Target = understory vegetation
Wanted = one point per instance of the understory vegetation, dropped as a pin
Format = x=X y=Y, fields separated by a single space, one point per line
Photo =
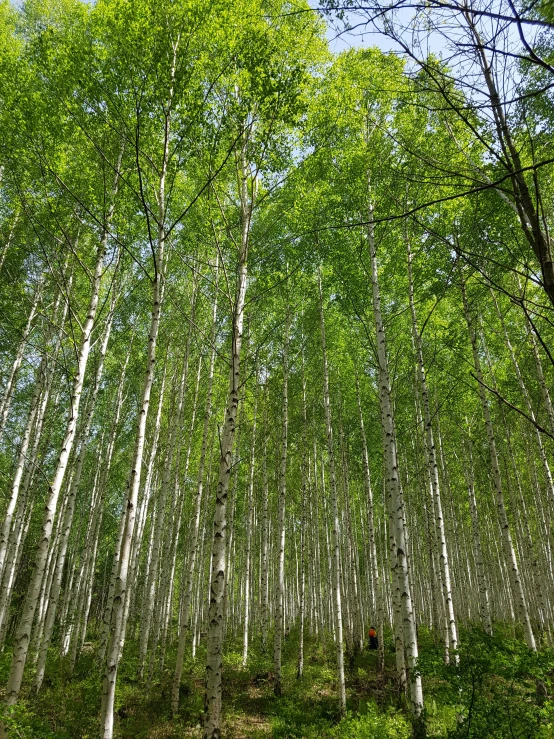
x=498 y=686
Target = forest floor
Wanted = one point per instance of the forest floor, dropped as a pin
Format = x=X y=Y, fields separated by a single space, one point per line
x=504 y=704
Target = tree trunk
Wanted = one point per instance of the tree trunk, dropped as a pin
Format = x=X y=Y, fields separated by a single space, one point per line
x=159 y=521
x=337 y=601
x=305 y=471
x=264 y=595
x=281 y=505
x=212 y=720
x=249 y=517
x=23 y=635
x=117 y=624
x=451 y=627
x=10 y=384
x=510 y=555
x=70 y=505
x=374 y=565
x=191 y=563
x=400 y=560
x=484 y=603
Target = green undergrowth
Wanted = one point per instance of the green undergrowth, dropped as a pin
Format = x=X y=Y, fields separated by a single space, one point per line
x=496 y=688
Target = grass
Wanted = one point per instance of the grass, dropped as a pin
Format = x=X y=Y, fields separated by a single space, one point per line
x=67 y=707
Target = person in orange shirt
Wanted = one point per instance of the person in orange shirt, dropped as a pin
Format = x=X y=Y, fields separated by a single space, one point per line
x=373 y=643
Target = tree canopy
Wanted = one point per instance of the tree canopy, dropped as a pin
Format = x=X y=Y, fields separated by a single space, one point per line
x=276 y=358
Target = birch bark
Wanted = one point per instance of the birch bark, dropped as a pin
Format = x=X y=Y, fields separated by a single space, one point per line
x=117 y=626
x=150 y=590
x=264 y=595
x=305 y=471
x=484 y=603
x=393 y=484
x=191 y=564
x=20 y=523
x=129 y=512
x=452 y=628
x=23 y=635
x=337 y=602
x=10 y=384
x=70 y=506
x=212 y=721
x=11 y=528
x=529 y=404
x=510 y=555
x=374 y=565
x=281 y=507
x=249 y=517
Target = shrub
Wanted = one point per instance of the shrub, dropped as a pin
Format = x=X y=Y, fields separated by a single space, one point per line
x=372 y=724
x=499 y=688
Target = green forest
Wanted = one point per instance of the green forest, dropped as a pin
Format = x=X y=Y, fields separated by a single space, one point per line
x=276 y=369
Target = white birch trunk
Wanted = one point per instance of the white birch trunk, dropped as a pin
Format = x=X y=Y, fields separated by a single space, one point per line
x=150 y=590
x=212 y=720
x=451 y=626
x=117 y=626
x=305 y=471
x=12 y=503
x=39 y=401
x=18 y=531
x=264 y=595
x=167 y=578
x=400 y=560
x=90 y=552
x=540 y=375
x=249 y=516
x=374 y=564
x=23 y=635
x=191 y=564
x=280 y=589
x=335 y=559
x=528 y=403
x=8 y=243
x=70 y=506
x=129 y=512
x=510 y=555
x=5 y=403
